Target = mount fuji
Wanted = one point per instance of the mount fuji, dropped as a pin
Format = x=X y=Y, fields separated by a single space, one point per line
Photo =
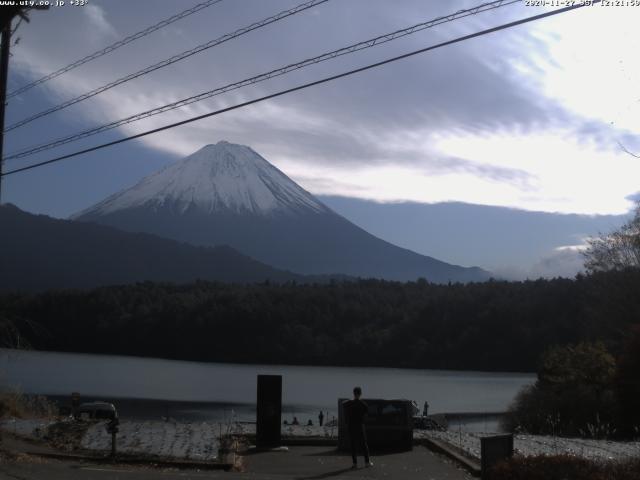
x=227 y=194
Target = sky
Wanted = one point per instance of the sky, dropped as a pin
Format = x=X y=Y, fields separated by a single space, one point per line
x=506 y=151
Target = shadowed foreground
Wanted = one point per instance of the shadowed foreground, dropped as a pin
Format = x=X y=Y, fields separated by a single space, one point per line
x=300 y=463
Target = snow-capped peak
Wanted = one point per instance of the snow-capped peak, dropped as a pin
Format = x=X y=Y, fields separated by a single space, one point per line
x=217 y=178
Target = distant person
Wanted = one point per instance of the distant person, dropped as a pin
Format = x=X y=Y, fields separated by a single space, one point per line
x=320 y=418
x=425 y=409
x=355 y=411
x=295 y=421
x=309 y=423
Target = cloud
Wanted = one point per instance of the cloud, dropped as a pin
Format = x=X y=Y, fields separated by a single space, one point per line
x=564 y=262
x=509 y=119
x=99 y=23
x=572 y=248
x=561 y=263
x=634 y=197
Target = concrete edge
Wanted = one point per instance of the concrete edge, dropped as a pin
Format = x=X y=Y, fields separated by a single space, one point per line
x=310 y=442
x=286 y=441
x=442 y=447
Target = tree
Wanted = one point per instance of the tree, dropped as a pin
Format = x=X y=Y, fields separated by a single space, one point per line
x=573 y=394
x=583 y=364
x=627 y=383
x=10 y=334
x=617 y=250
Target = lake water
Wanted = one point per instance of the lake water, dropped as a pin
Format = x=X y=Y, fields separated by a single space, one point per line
x=150 y=388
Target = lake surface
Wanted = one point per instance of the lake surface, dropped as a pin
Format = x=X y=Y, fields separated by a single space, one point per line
x=150 y=388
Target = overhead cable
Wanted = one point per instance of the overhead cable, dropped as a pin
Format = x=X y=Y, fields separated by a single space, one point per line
x=115 y=46
x=303 y=86
x=169 y=61
x=379 y=40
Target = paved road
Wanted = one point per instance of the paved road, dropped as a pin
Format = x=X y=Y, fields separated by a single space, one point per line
x=299 y=463
x=310 y=463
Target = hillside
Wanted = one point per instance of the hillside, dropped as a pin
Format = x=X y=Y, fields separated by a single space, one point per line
x=38 y=252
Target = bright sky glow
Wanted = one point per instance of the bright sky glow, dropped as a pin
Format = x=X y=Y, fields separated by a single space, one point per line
x=593 y=67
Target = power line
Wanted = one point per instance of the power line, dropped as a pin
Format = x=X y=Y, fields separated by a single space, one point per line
x=115 y=46
x=304 y=86
x=169 y=61
x=263 y=77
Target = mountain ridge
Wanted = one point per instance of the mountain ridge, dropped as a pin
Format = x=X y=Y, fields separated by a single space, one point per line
x=38 y=252
x=229 y=194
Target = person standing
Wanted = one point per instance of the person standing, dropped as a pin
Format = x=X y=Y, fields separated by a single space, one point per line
x=355 y=411
x=320 y=418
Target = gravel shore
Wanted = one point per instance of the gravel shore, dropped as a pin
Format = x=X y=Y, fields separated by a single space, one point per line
x=531 y=445
x=199 y=441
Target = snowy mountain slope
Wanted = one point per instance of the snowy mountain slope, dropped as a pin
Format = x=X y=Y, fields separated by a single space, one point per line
x=217 y=178
x=227 y=194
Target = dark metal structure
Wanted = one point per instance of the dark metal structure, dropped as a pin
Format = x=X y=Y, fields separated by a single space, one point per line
x=269 y=411
x=388 y=425
x=492 y=450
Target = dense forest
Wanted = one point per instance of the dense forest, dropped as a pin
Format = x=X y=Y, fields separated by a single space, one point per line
x=498 y=326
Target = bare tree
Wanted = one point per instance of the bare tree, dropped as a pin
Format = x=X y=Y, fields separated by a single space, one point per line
x=10 y=335
x=617 y=250
x=14 y=332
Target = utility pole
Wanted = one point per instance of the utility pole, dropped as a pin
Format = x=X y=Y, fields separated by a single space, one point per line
x=4 y=70
x=7 y=15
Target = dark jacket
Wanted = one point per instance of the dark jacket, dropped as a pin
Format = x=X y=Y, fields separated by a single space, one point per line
x=355 y=411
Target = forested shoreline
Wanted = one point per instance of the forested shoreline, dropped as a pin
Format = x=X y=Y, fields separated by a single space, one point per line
x=492 y=326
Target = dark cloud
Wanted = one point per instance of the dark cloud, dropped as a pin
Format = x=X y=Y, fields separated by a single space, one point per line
x=525 y=241
x=467 y=87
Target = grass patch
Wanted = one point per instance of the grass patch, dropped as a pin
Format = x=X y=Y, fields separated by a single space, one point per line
x=16 y=404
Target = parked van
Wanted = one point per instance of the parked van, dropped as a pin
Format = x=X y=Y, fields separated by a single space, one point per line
x=97 y=411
